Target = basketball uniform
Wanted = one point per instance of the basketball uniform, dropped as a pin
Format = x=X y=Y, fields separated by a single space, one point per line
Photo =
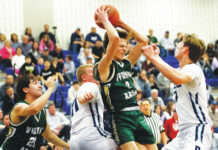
x=26 y=135
x=191 y=106
x=87 y=132
x=119 y=95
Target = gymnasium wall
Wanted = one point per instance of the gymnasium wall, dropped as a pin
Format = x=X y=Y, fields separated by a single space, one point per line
x=189 y=16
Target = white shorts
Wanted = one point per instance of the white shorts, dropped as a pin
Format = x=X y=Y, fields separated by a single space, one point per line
x=194 y=138
x=91 y=139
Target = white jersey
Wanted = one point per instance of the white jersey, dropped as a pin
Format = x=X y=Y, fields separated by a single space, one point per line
x=88 y=114
x=191 y=99
x=87 y=132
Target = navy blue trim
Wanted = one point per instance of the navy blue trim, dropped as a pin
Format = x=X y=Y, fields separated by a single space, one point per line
x=197 y=147
x=93 y=117
x=196 y=101
x=76 y=106
x=196 y=133
x=196 y=98
x=202 y=132
x=178 y=86
x=195 y=110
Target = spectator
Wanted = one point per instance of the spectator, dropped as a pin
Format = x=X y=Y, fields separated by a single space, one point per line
x=28 y=32
x=76 y=41
x=157 y=110
x=46 y=43
x=4 y=132
x=172 y=127
x=149 y=67
x=14 y=40
x=214 y=64
x=7 y=52
x=210 y=52
x=98 y=50
x=35 y=53
x=205 y=65
x=92 y=37
x=47 y=72
x=45 y=55
x=8 y=82
x=213 y=113
x=18 y=60
x=69 y=68
x=154 y=122
x=164 y=85
x=28 y=67
x=167 y=44
x=139 y=96
x=25 y=46
x=152 y=38
x=152 y=82
x=142 y=82
x=169 y=110
x=72 y=92
x=56 y=67
x=155 y=99
x=2 y=40
x=46 y=31
x=9 y=100
x=58 y=123
x=60 y=55
x=178 y=39
x=84 y=55
x=40 y=65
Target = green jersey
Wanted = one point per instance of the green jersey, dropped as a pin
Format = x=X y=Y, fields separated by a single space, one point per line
x=26 y=135
x=118 y=92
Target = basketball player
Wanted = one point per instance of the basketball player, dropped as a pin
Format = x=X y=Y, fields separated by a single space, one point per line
x=114 y=73
x=28 y=118
x=87 y=115
x=190 y=94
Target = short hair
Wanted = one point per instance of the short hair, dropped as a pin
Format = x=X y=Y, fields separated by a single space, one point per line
x=122 y=34
x=154 y=90
x=196 y=46
x=8 y=87
x=51 y=103
x=24 y=81
x=28 y=57
x=82 y=70
x=69 y=57
x=146 y=100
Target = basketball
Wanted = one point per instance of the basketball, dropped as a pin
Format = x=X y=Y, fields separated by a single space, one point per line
x=113 y=16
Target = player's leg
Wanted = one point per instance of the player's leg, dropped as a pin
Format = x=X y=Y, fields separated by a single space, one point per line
x=140 y=146
x=129 y=146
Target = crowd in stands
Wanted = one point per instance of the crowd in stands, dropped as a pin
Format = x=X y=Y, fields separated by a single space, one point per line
x=45 y=58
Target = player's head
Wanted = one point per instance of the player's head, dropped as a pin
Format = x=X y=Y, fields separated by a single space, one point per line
x=85 y=74
x=28 y=85
x=191 y=46
x=122 y=48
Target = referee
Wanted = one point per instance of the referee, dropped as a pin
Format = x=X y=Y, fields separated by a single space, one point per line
x=154 y=122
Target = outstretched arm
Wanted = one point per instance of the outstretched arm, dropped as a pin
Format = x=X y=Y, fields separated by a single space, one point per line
x=135 y=53
x=51 y=137
x=36 y=106
x=104 y=65
x=174 y=75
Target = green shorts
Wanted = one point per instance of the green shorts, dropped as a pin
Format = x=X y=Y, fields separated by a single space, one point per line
x=131 y=126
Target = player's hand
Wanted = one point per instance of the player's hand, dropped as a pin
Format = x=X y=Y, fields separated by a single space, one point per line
x=50 y=82
x=102 y=14
x=151 y=52
x=88 y=96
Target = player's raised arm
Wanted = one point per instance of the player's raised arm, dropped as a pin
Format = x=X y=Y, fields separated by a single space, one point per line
x=174 y=75
x=36 y=106
x=104 y=65
x=135 y=53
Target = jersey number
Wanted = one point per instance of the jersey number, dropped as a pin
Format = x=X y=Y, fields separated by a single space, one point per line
x=31 y=142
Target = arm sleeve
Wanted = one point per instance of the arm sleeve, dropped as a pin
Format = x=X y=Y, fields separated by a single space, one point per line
x=191 y=70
